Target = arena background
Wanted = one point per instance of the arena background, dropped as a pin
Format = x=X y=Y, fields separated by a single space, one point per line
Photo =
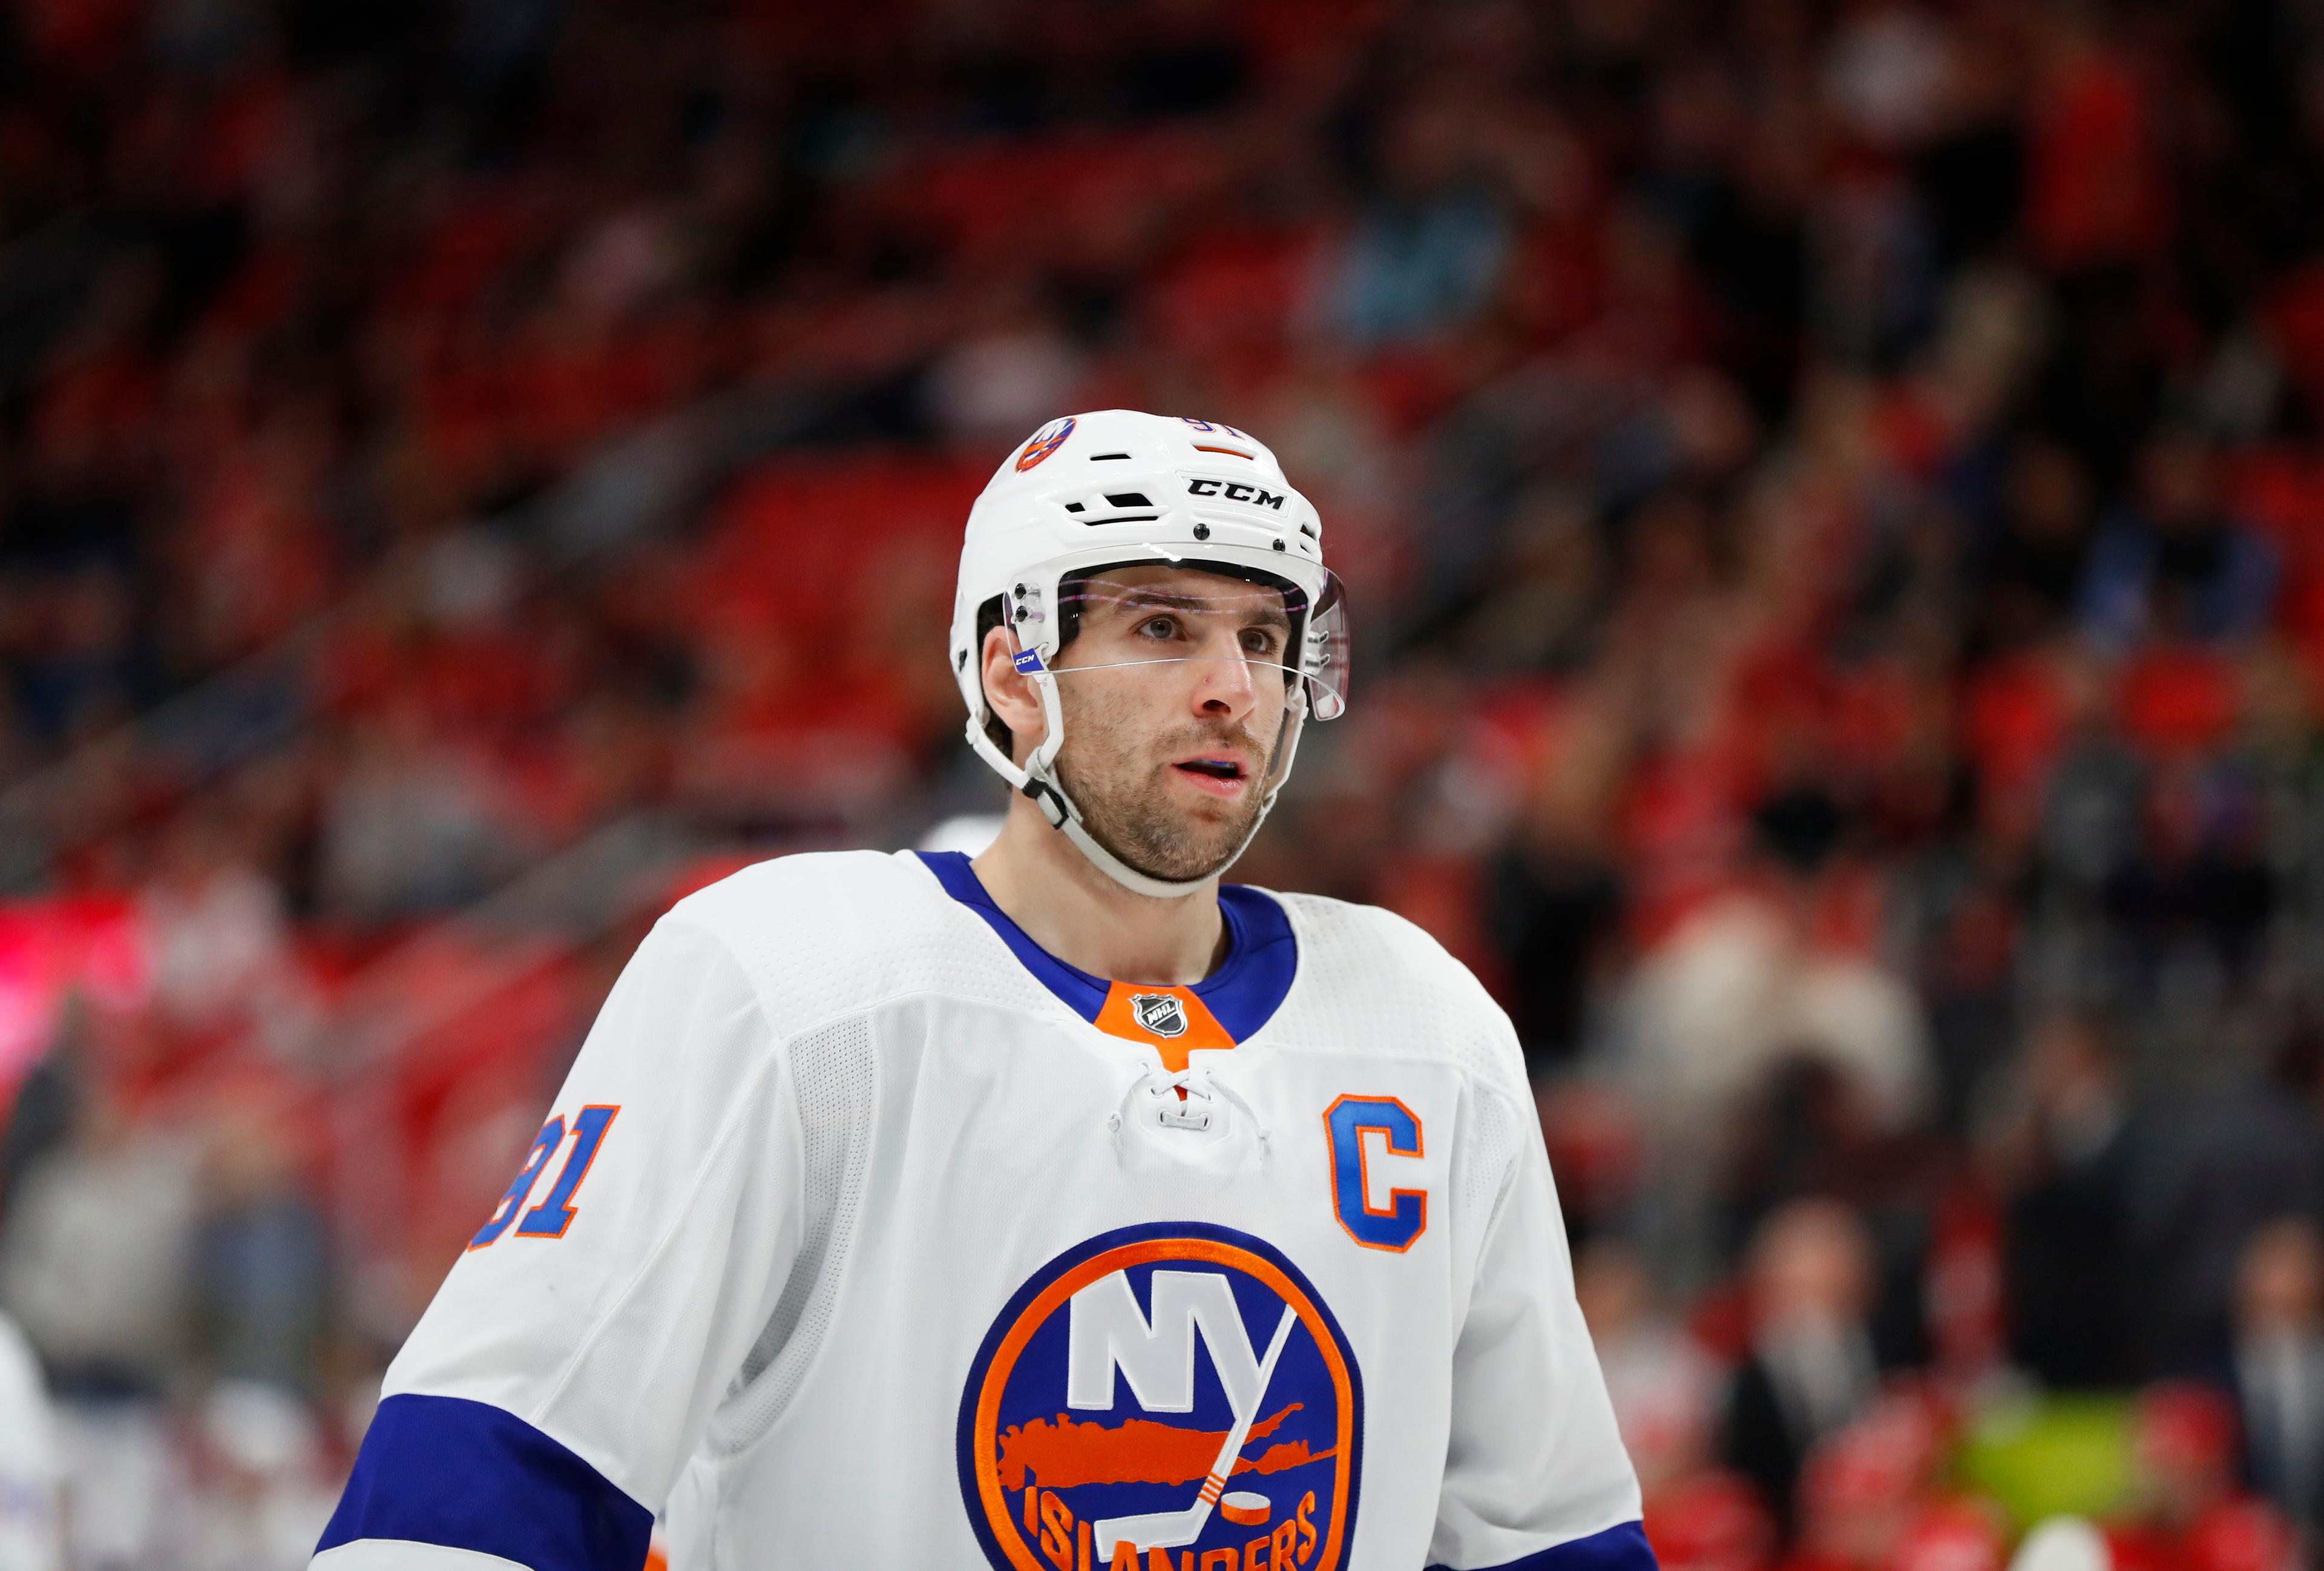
x=1831 y=496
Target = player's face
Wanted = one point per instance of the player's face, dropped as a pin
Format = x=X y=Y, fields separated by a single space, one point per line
x=1175 y=689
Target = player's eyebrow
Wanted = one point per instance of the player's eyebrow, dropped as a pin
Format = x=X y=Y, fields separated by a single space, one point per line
x=1159 y=600
x=1134 y=599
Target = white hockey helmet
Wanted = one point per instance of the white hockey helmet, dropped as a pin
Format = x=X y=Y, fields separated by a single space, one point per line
x=1117 y=488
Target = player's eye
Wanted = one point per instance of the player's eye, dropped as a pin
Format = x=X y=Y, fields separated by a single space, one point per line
x=1259 y=641
x=1158 y=627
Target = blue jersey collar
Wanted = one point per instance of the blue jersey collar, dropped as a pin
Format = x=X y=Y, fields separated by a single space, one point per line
x=1243 y=994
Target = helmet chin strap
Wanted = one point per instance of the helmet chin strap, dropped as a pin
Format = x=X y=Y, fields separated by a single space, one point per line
x=1037 y=780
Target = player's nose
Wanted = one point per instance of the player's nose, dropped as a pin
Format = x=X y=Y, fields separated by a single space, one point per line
x=1225 y=683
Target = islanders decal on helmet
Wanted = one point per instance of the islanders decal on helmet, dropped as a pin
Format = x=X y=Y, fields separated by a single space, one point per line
x=1046 y=440
x=1093 y=1438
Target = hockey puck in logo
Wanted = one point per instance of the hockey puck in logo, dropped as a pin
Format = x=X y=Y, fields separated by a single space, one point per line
x=1244 y=1509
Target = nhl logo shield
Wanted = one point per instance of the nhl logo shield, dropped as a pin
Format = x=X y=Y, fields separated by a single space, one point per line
x=1163 y=1013
x=1173 y=1397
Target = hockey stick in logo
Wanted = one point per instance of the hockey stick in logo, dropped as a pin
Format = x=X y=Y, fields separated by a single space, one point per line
x=1172 y=1529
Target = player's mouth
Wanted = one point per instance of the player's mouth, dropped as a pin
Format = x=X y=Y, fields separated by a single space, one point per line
x=1220 y=774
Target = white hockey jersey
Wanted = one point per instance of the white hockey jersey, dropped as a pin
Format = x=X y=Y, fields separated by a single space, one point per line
x=867 y=1233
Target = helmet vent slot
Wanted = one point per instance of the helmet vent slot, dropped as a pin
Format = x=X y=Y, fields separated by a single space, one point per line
x=1128 y=499
x=1230 y=452
x=1074 y=507
x=1124 y=518
x=1105 y=457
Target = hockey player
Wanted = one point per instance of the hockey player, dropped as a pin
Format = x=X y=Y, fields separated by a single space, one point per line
x=1063 y=1210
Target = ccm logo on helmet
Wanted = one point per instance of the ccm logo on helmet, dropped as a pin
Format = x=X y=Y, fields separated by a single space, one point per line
x=1236 y=491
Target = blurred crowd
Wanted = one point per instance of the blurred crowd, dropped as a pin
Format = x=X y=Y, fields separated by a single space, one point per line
x=1833 y=506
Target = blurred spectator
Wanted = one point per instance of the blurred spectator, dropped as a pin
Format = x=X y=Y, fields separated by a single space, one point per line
x=1732 y=1002
x=261 y=1263
x=2067 y=1158
x=93 y=1263
x=1869 y=1500
x=1556 y=902
x=2187 y=1510
x=2196 y=893
x=1739 y=990
x=1426 y=251
x=1592 y=1128
x=1663 y=1386
x=2031 y=570
x=2208 y=1175
x=2176 y=565
x=219 y=933
x=414 y=823
x=2279 y=1367
x=1810 y=1367
x=1003 y=377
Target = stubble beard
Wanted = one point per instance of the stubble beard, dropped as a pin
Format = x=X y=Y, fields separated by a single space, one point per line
x=1115 y=776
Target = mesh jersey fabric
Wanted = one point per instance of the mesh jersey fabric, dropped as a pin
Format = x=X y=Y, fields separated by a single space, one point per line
x=837 y=1081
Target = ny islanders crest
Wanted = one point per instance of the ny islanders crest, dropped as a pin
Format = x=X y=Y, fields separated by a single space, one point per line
x=1174 y=1397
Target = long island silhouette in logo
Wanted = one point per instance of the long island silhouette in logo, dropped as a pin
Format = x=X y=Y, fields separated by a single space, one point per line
x=1064 y=1452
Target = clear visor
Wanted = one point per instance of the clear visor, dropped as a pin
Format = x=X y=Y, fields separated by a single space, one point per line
x=1262 y=640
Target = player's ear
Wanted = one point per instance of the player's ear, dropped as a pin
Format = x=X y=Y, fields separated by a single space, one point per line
x=1010 y=694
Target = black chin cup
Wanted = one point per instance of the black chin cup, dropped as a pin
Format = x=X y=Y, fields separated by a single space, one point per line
x=1051 y=800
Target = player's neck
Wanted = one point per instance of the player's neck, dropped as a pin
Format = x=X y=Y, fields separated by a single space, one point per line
x=1070 y=908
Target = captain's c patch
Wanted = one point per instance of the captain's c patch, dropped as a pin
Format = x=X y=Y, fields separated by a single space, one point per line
x=1358 y=1127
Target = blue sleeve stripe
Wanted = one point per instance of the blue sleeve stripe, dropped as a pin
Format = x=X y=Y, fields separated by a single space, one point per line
x=1617 y=1548
x=469 y=1475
